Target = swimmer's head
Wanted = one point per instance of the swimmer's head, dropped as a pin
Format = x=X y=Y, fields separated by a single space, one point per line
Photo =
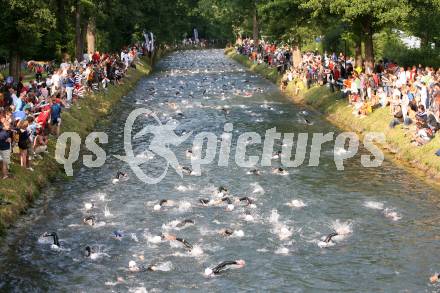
x=240 y=263
x=222 y=189
x=163 y=201
x=88 y=251
x=89 y=220
x=208 y=272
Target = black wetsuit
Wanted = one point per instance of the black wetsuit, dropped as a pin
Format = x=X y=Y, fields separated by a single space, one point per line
x=204 y=201
x=247 y=199
x=120 y=175
x=227 y=199
x=223 y=266
x=55 y=238
x=88 y=251
x=184 y=222
x=184 y=242
x=187 y=169
x=330 y=236
x=255 y=172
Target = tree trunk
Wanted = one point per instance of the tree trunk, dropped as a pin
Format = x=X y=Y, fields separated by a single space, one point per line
x=255 y=26
x=78 y=44
x=358 y=52
x=14 y=64
x=84 y=28
x=61 y=26
x=296 y=56
x=91 y=36
x=368 y=41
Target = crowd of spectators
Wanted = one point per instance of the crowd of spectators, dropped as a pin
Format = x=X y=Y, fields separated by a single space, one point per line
x=30 y=110
x=412 y=94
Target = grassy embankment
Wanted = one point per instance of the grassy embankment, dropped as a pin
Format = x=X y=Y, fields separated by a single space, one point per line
x=81 y=118
x=422 y=159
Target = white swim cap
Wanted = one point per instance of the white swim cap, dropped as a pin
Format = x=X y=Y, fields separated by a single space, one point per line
x=157 y=207
x=208 y=272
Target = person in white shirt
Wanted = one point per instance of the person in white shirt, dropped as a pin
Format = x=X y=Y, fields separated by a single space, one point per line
x=402 y=76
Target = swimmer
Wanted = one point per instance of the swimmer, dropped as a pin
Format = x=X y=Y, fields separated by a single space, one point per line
x=277 y=155
x=121 y=175
x=56 y=241
x=226 y=232
x=189 y=153
x=184 y=223
x=247 y=199
x=227 y=199
x=164 y=203
x=175 y=238
x=434 y=278
x=134 y=268
x=225 y=112
x=89 y=220
x=204 y=201
x=255 y=172
x=329 y=237
x=224 y=266
x=187 y=170
x=280 y=171
x=88 y=251
x=222 y=190
x=118 y=235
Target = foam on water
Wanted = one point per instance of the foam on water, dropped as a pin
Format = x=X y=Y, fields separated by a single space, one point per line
x=296 y=203
x=164 y=267
x=391 y=214
x=257 y=189
x=280 y=229
x=282 y=250
x=344 y=229
x=376 y=205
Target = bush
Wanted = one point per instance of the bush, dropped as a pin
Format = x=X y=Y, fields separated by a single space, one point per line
x=408 y=57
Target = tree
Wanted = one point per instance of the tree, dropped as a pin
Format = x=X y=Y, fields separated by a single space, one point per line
x=24 y=22
x=423 y=21
x=369 y=15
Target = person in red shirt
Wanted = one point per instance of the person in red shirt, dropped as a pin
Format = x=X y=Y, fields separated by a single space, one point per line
x=43 y=117
x=336 y=74
x=96 y=57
